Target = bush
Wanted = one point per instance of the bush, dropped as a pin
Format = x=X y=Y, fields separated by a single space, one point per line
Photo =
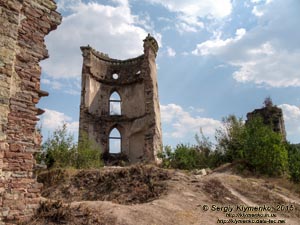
x=230 y=138
x=60 y=151
x=182 y=157
x=263 y=149
x=187 y=157
x=254 y=144
x=87 y=155
x=294 y=162
x=166 y=156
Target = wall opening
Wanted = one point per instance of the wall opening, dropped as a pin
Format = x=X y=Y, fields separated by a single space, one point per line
x=115 y=104
x=115 y=76
x=115 y=141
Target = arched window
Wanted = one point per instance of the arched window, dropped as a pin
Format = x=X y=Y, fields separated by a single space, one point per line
x=115 y=104
x=115 y=141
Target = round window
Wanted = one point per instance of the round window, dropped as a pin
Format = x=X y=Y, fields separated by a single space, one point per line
x=115 y=76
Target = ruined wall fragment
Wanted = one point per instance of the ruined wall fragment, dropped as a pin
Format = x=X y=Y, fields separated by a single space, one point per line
x=23 y=26
x=136 y=84
x=272 y=116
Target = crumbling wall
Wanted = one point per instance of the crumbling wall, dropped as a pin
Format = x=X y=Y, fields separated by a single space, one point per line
x=272 y=116
x=23 y=26
x=136 y=83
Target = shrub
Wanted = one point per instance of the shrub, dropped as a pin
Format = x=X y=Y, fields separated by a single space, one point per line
x=186 y=157
x=263 y=149
x=87 y=154
x=294 y=162
x=166 y=155
x=60 y=151
x=230 y=138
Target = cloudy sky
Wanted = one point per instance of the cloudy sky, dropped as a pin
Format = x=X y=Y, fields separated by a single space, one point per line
x=216 y=58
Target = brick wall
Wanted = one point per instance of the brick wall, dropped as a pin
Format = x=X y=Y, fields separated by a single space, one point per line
x=23 y=26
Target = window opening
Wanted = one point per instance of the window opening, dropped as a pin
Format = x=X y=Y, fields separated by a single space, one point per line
x=115 y=141
x=115 y=76
x=115 y=104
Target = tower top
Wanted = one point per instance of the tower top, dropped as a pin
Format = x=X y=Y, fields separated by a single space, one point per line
x=150 y=42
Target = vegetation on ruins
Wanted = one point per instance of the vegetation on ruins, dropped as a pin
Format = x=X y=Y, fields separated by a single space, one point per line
x=294 y=162
x=60 y=151
x=253 y=146
x=189 y=157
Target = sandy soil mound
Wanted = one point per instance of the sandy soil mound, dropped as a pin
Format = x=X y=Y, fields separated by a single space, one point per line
x=127 y=185
x=147 y=195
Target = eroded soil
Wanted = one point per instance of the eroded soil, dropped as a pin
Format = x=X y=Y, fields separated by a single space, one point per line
x=147 y=195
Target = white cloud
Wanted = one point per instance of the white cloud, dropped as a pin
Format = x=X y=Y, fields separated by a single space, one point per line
x=212 y=47
x=268 y=54
x=56 y=85
x=196 y=8
x=110 y=29
x=198 y=110
x=68 y=86
x=269 y=66
x=256 y=11
x=171 y=52
x=183 y=27
x=191 y=11
x=184 y=124
x=52 y=119
x=259 y=1
x=291 y=115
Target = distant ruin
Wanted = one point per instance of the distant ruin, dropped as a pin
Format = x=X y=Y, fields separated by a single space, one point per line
x=23 y=26
x=271 y=115
x=119 y=107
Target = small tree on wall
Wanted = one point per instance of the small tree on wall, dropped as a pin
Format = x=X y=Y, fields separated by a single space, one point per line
x=268 y=102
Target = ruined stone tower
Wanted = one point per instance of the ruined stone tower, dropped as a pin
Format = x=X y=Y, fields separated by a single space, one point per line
x=272 y=116
x=119 y=107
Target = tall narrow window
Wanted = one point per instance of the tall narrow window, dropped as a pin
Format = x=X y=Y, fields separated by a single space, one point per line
x=115 y=141
x=115 y=104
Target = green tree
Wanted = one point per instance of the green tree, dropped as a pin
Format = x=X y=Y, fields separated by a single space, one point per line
x=263 y=149
x=88 y=155
x=230 y=138
x=294 y=162
x=209 y=156
x=58 y=150
x=186 y=157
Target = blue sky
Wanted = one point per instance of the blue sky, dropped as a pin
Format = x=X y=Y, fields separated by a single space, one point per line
x=216 y=57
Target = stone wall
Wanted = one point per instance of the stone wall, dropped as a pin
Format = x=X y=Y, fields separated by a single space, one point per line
x=272 y=116
x=136 y=83
x=23 y=26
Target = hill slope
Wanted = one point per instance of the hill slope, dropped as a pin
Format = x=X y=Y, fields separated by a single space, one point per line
x=148 y=195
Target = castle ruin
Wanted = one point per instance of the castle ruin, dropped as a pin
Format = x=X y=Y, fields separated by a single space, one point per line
x=271 y=116
x=119 y=107
x=23 y=26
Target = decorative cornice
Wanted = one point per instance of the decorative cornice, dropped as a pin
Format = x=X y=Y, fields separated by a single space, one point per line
x=104 y=57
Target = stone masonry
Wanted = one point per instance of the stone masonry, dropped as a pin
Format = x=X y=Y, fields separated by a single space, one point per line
x=135 y=82
x=23 y=26
x=272 y=116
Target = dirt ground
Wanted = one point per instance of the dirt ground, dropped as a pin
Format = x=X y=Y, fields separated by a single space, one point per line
x=147 y=195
